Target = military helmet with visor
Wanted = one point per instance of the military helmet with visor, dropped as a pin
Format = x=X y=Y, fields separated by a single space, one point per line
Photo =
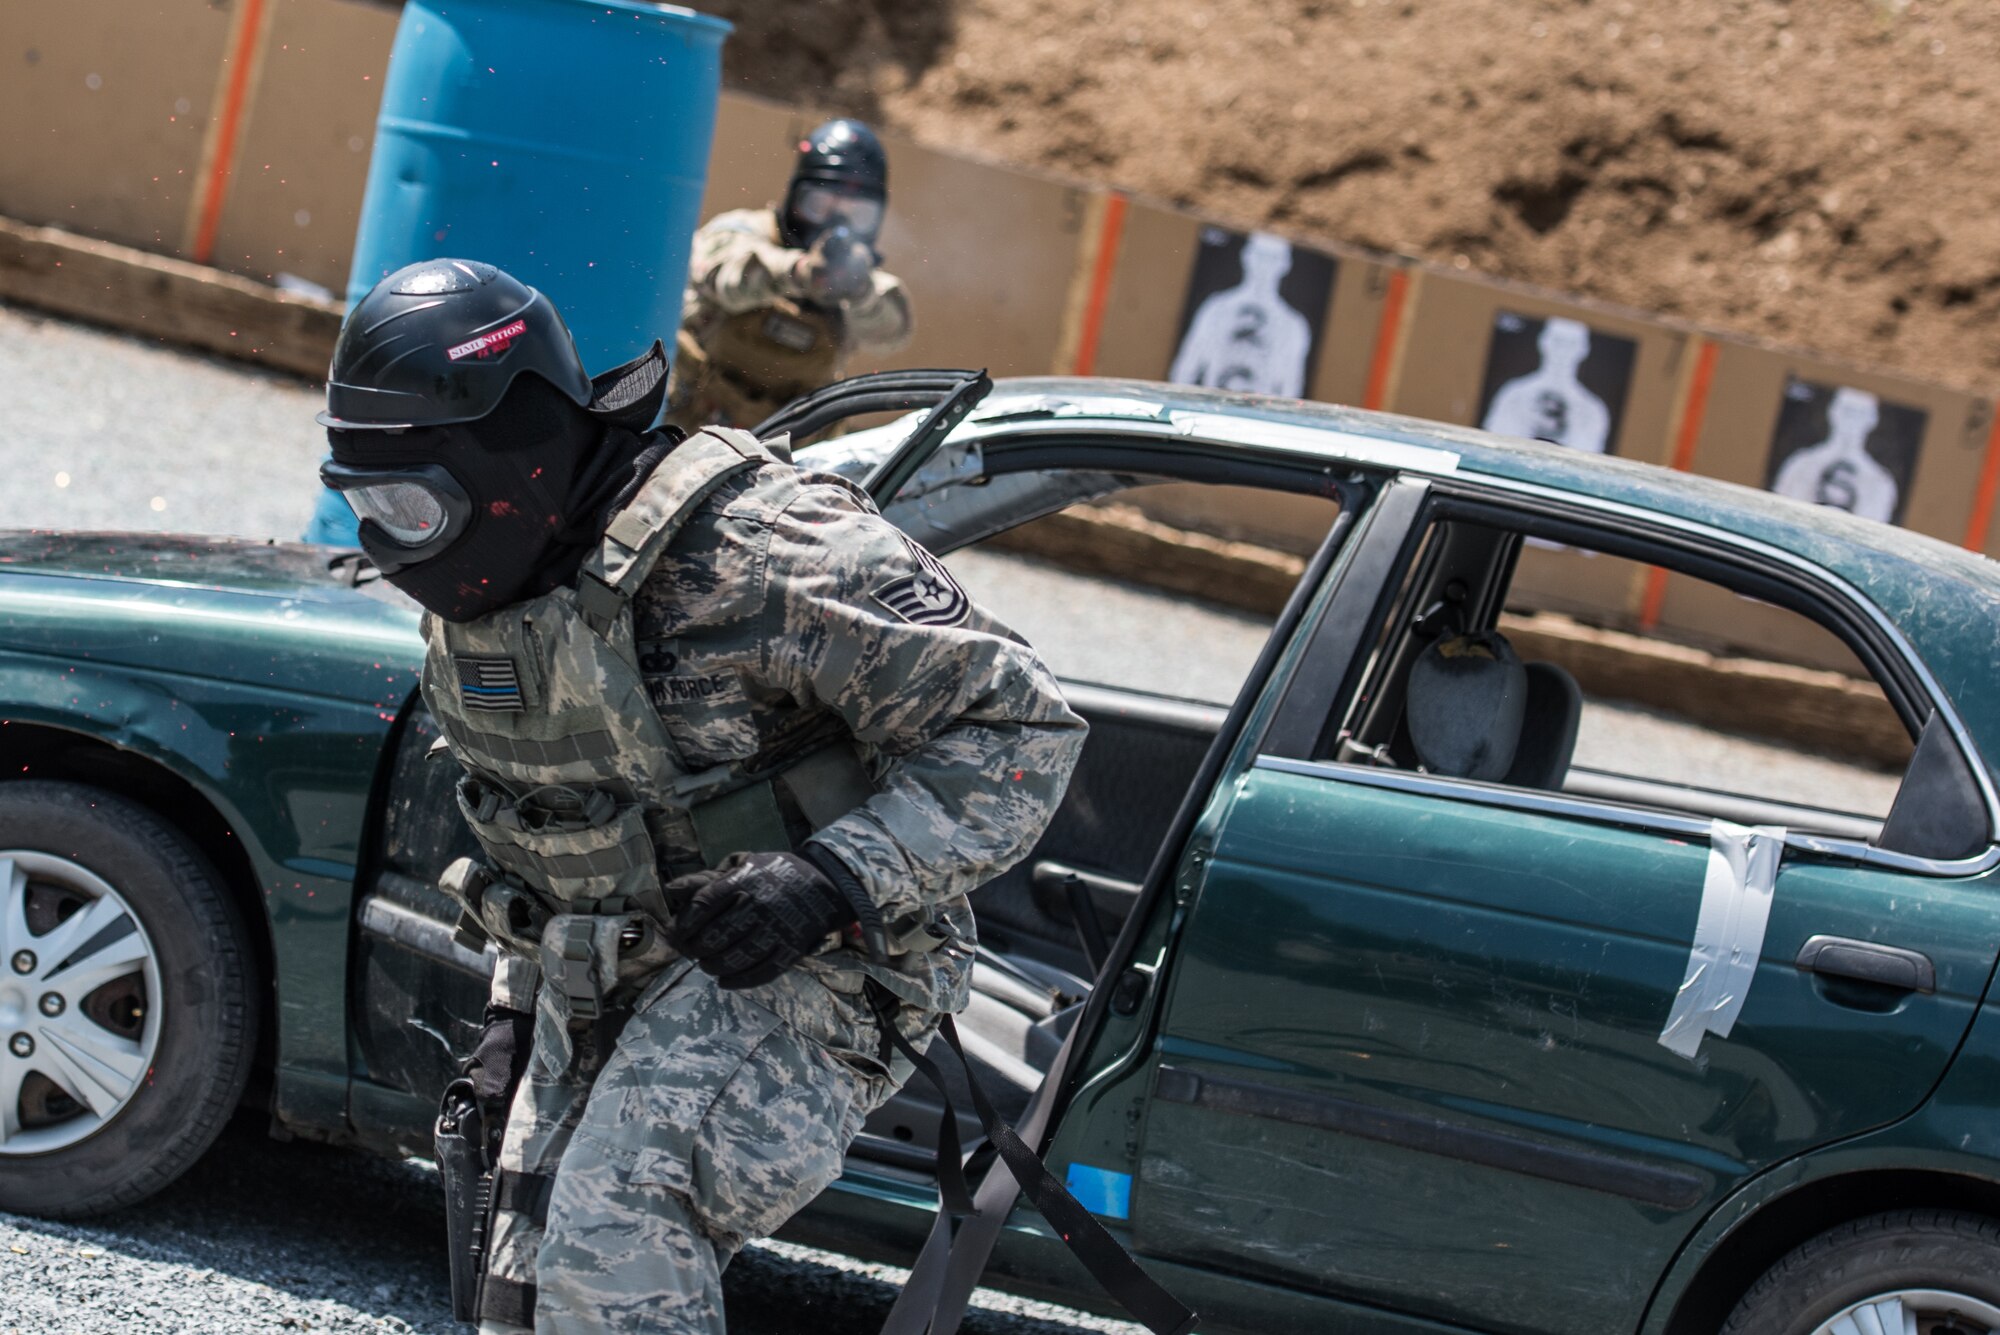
x=456 y=387
x=840 y=179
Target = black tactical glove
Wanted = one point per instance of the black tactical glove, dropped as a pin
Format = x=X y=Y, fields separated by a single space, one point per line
x=754 y=916
x=501 y=1056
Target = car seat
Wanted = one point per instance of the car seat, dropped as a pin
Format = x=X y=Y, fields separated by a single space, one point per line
x=1474 y=710
x=1548 y=729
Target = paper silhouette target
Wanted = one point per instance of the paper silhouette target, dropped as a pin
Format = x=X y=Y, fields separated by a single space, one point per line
x=1844 y=447
x=1256 y=306
x=1556 y=379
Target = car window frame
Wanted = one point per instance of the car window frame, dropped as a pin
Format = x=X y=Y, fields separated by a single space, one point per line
x=1096 y=447
x=1294 y=739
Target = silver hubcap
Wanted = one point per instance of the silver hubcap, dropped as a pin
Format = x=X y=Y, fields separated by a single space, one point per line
x=1915 y=1312
x=79 y=1003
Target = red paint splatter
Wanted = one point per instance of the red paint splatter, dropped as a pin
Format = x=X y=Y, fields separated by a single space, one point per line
x=1017 y=775
x=500 y=509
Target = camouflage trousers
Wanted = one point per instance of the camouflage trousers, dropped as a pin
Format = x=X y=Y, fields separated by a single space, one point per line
x=709 y=1121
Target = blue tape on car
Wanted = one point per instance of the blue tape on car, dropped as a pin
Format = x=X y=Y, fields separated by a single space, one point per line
x=1102 y=1191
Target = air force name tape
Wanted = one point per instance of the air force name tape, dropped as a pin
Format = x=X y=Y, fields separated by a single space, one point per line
x=929 y=597
x=488 y=683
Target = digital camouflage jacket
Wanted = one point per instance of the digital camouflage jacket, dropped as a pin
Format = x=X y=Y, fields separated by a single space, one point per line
x=774 y=610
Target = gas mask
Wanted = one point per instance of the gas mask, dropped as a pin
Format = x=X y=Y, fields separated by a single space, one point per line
x=813 y=208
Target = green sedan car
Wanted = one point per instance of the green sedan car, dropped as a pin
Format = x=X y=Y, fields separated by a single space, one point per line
x=1405 y=978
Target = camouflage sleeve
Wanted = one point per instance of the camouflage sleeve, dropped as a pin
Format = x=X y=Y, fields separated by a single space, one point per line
x=737 y=269
x=974 y=742
x=881 y=321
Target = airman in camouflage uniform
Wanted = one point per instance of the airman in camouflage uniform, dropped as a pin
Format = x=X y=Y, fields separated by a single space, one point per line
x=747 y=659
x=778 y=298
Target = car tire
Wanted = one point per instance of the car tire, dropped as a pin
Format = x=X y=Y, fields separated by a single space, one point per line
x=119 y=1084
x=1941 y=1267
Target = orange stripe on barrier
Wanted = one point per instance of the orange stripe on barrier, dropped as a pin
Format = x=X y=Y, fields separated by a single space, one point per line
x=1384 y=361
x=1989 y=483
x=1100 y=283
x=1692 y=415
x=1697 y=407
x=216 y=188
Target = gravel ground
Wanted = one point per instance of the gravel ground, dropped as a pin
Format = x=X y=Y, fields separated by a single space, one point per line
x=265 y=1237
x=103 y=430
x=1132 y=636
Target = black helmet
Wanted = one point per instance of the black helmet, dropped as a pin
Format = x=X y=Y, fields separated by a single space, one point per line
x=841 y=178
x=440 y=341
x=474 y=481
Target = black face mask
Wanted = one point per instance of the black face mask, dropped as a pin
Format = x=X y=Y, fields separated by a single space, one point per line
x=469 y=517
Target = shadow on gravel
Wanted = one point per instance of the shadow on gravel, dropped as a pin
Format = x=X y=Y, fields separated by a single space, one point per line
x=309 y=1220
x=769 y=1294
x=331 y=1225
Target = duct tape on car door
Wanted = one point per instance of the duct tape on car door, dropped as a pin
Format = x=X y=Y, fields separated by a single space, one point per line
x=1728 y=933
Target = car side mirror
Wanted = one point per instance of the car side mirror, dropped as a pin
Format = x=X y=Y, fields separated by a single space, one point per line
x=1938 y=811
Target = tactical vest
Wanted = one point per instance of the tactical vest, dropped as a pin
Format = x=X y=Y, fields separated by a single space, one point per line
x=745 y=367
x=573 y=785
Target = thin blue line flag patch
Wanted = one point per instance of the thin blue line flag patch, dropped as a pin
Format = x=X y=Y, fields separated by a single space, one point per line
x=488 y=683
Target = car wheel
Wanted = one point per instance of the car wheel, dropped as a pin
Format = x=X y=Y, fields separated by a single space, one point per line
x=1911 y=1272
x=127 y=1020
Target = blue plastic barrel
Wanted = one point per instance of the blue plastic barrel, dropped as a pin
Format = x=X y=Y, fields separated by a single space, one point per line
x=566 y=141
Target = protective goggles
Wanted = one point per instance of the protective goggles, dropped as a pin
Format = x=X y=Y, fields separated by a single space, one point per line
x=823 y=206
x=417 y=511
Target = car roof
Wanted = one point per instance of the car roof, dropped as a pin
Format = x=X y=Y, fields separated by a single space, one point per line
x=1945 y=599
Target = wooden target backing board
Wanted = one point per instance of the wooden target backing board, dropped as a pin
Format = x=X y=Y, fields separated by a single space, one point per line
x=1842 y=436
x=1160 y=283
x=988 y=256
x=1165 y=272
x=751 y=160
x=294 y=201
x=1524 y=364
x=106 y=108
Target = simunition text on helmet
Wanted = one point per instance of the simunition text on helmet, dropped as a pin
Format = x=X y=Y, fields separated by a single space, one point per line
x=488 y=345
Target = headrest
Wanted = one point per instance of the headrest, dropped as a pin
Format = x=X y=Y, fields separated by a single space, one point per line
x=1467 y=697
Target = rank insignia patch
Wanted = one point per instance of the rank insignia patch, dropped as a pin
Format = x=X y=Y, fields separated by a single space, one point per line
x=930 y=597
x=488 y=683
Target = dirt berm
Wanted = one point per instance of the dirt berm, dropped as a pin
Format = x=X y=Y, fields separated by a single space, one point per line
x=1815 y=173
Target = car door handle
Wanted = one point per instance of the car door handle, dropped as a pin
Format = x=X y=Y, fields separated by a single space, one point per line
x=1868 y=962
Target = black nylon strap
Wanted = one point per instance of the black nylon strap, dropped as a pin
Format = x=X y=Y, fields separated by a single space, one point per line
x=525 y=1193
x=1109 y=1264
x=923 y=1294
x=953 y=1190
x=507 y=1301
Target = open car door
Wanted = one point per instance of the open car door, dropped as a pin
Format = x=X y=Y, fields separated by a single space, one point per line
x=1074 y=938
